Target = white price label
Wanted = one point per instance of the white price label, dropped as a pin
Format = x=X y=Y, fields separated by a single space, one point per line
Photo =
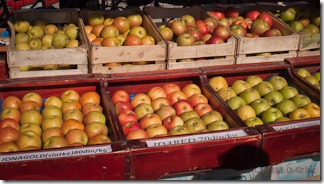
x=195 y=138
x=54 y=154
x=297 y=125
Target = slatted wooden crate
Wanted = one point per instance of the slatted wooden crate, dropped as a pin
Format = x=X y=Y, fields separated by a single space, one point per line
x=107 y=60
x=309 y=44
x=208 y=55
x=75 y=57
x=262 y=49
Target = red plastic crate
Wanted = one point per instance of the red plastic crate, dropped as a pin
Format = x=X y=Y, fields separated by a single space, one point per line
x=240 y=151
x=3 y=67
x=95 y=162
x=280 y=141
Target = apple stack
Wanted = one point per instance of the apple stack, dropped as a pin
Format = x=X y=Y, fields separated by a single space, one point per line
x=72 y=119
x=165 y=111
x=255 y=29
x=122 y=42
x=302 y=19
x=42 y=41
x=193 y=36
x=257 y=101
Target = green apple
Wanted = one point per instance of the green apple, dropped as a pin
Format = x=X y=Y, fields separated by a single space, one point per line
x=274 y=97
x=301 y=100
x=195 y=125
x=264 y=87
x=317 y=75
x=245 y=112
x=142 y=109
x=260 y=105
x=253 y=80
x=286 y=106
x=189 y=114
x=226 y=93
x=253 y=121
x=303 y=72
x=178 y=130
x=217 y=125
x=289 y=92
x=235 y=102
x=271 y=115
x=288 y=15
x=249 y=95
x=211 y=117
x=239 y=86
x=311 y=79
x=278 y=82
x=316 y=21
x=296 y=26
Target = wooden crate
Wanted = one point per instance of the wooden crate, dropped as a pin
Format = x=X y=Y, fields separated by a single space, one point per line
x=77 y=57
x=208 y=55
x=254 y=50
x=154 y=56
x=237 y=148
x=309 y=45
x=310 y=63
x=277 y=138
x=95 y=162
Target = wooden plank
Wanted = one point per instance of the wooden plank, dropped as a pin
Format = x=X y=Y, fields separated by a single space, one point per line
x=304 y=53
x=201 y=63
x=99 y=68
x=240 y=59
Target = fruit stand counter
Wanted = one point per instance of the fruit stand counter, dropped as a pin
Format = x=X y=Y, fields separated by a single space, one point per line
x=56 y=146
x=198 y=140
x=288 y=129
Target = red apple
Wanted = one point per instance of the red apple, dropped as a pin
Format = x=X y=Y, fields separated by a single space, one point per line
x=178 y=27
x=176 y=96
x=197 y=99
x=170 y=87
x=217 y=13
x=8 y=134
x=150 y=119
x=271 y=32
x=11 y=102
x=172 y=121
x=195 y=33
x=202 y=27
x=127 y=116
x=203 y=108
x=240 y=22
x=266 y=17
x=77 y=136
x=131 y=126
x=121 y=23
x=215 y=40
x=222 y=32
x=165 y=111
x=8 y=122
x=121 y=106
x=182 y=106
x=253 y=14
x=259 y=26
x=132 y=40
x=211 y=23
x=231 y=12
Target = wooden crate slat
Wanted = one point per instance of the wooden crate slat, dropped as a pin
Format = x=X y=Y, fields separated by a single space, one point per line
x=99 y=68
x=257 y=59
x=307 y=41
x=201 y=63
x=305 y=53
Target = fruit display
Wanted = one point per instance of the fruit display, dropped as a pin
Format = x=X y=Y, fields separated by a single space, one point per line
x=165 y=111
x=34 y=123
x=313 y=78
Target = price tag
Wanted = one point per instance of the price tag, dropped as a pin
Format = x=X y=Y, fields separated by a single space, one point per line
x=297 y=125
x=54 y=154
x=195 y=138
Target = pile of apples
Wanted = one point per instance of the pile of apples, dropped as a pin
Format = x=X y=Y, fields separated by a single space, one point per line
x=257 y=101
x=313 y=79
x=253 y=24
x=31 y=123
x=301 y=20
x=117 y=31
x=41 y=35
x=165 y=111
x=187 y=30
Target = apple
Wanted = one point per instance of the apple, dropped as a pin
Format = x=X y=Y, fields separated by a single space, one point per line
x=217 y=83
x=70 y=104
x=211 y=23
x=195 y=33
x=252 y=122
x=8 y=122
x=77 y=136
x=150 y=119
x=288 y=15
x=239 y=86
x=231 y=12
x=132 y=40
x=178 y=130
x=253 y=14
x=156 y=130
x=8 y=147
x=28 y=139
x=12 y=113
x=191 y=89
x=21 y=26
x=158 y=102
x=89 y=97
x=166 y=33
x=282 y=119
x=31 y=116
x=259 y=26
x=313 y=110
x=135 y=20
x=172 y=121
x=94 y=116
x=29 y=105
x=121 y=23
x=250 y=95
x=253 y=80
x=225 y=22
x=54 y=131
x=121 y=106
x=137 y=134
x=156 y=92
x=296 y=25
x=52 y=121
x=33 y=96
x=202 y=27
x=90 y=107
x=31 y=126
x=217 y=13
x=182 y=106
x=95 y=18
x=271 y=115
x=203 y=108
x=170 y=87
x=288 y=92
x=71 y=124
x=298 y=114
x=317 y=75
x=69 y=94
x=140 y=98
x=189 y=114
x=205 y=38
x=278 y=82
x=245 y=112
x=304 y=21
x=73 y=114
x=215 y=40
x=8 y=134
x=222 y=32
x=185 y=39
x=211 y=116
x=148 y=40
x=271 y=32
x=274 y=97
x=264 y=87
x=55 y=142
x=11 y=102
x=226 y=93
x=303 y=72
x=260 y=105
x=266 y=17
x=217 y=126
x=51 y=111
x=165 y=111
x=238 y=30
x=311 y=79
x=53 y=100
x=235 y=102
x=197 y=99
x=188 y=20
x=142 y=109
x=286 y=106
x=131 y=126
x=127 y=116
x=301 y=100
x=176 y=96
x=241 y=22
x=195 y=125
x=178 y=27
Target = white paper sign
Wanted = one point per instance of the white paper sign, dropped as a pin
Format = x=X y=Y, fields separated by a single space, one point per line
x=297 y=125
x=54 y=154
x=195 y=138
